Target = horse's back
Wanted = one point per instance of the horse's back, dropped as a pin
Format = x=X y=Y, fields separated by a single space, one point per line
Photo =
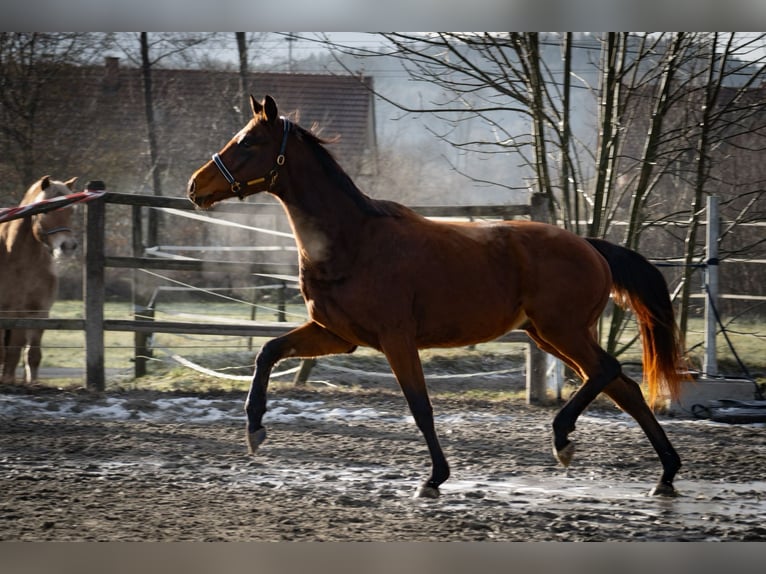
x=496 y=276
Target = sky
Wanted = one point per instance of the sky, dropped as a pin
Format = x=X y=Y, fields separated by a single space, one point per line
x=409 y=15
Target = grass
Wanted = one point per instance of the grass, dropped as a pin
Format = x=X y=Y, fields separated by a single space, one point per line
x=235 y=355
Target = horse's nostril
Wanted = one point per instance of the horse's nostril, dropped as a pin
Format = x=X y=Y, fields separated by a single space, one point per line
x=191 y=188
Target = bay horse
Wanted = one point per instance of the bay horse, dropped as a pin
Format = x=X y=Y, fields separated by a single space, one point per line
x=374 y=273
x=28 y=277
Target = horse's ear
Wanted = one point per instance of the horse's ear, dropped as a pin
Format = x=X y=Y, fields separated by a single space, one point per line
x=255 y=105
x=272 y=113
x=45 y=181
x=70 y=182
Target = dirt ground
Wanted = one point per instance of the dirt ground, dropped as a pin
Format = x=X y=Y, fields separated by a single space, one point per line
x=343 y=466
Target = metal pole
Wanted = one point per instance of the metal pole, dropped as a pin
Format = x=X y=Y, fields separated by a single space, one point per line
x=710 y=366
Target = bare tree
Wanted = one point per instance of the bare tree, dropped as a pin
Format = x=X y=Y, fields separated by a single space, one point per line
x=719 y=119
x=152 y=51
x=649 y=132
x=29 y=64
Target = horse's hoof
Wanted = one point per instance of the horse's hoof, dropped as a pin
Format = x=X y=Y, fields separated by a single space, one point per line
x=254 y=439
x=565 y=454
x=427 y=491
x=663 y=489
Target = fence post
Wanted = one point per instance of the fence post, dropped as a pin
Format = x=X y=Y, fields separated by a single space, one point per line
x=537 y=366
x=537 y=362
x=304 y=371
x=710 y=366
x=142 y=299
x=94 y=292
x=538 y=208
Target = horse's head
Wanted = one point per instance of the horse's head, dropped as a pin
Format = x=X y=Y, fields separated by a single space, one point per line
x=53 y=228
x=249 y=163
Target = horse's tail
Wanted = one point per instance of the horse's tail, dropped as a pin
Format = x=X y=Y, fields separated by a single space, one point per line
x=638 y=284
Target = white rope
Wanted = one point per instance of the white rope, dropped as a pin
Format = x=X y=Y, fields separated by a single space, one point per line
x=208 y=219
x=222 y=248
x=280 y=277
x=204 y=370
x=220 y=295
x=429 y=377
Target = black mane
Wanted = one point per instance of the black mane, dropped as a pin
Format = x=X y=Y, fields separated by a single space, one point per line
x=338 y=175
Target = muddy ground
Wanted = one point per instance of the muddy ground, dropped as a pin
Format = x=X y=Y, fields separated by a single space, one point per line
x=343 y=465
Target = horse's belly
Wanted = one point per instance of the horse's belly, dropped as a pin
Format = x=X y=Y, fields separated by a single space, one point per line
x=468 y=322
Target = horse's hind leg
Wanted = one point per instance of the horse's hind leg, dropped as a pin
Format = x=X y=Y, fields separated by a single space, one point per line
x=626 y=393
x=594 y=365
x=308 y=340
x=596 y=378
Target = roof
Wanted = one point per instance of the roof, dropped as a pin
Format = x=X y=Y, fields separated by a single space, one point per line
x=337 y=106
x=92 y=120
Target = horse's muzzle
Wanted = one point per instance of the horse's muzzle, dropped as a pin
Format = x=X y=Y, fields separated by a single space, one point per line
x=191 y=193
x=65 y=248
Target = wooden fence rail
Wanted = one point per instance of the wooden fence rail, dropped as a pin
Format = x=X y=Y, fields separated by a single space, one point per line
x=96 y=261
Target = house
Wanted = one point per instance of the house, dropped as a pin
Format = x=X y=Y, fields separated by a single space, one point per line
x=91 y=121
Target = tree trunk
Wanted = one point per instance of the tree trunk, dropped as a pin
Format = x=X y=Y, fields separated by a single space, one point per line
x=571 y=215
x=243 y=74
x=605 y=159
x=712 y=88
x=151 y=129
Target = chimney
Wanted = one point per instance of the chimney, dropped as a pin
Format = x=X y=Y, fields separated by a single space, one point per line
x=111 y=81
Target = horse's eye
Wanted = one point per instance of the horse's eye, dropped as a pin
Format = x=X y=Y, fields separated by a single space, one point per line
x=247 y=141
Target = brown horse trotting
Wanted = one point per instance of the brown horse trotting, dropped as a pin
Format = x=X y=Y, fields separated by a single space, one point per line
x=376 y=274
x=28 y=279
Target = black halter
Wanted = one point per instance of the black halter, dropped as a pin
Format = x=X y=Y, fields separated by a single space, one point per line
x=236 y=186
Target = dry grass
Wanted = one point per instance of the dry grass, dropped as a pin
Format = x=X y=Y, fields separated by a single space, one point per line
x=234 y=355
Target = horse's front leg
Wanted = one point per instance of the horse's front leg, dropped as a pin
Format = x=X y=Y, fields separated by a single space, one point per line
x=14 y=342
x=34 y=355
x=308 y=340
x=405 y=363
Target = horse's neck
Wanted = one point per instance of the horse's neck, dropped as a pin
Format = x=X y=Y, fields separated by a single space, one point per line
x=21 y=232
x=17 y=240
x=323 y=218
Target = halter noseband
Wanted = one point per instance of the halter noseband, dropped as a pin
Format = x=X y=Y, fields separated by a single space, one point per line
x=56 y=230
x=236 y=186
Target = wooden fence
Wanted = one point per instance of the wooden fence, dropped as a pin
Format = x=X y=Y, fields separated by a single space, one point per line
x=96 y=261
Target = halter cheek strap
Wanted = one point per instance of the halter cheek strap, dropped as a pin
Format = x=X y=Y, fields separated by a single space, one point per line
x=236 y=186
x=226 y=173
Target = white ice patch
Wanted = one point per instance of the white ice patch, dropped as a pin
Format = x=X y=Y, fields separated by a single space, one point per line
x=280 y=410
x=185 y=409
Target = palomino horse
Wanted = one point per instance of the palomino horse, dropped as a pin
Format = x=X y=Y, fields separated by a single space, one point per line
x=374 y=273
x=28 y=279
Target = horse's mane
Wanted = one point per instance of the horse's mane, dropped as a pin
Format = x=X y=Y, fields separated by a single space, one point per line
x=370 y=206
